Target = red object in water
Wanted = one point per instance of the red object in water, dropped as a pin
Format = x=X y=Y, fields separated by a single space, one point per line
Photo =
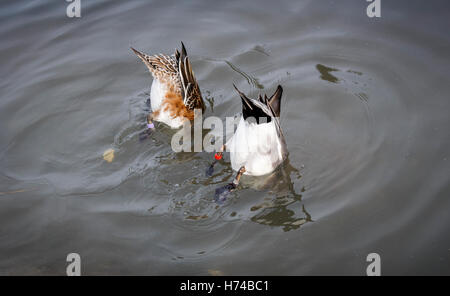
x=218 y=156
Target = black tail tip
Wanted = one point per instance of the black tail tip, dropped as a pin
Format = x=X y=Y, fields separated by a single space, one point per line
x=183 y=49
x=235 y=87
x=137 y=52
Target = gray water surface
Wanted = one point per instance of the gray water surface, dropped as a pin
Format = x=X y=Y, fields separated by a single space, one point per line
x=365 y=113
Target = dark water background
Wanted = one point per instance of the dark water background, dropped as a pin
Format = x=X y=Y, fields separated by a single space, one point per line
x=365 y=113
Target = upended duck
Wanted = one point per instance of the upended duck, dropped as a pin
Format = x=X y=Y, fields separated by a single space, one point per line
x=258 y=146
x=175 y=92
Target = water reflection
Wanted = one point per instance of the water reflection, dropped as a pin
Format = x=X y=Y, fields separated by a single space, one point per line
x=282 y=216
x=250 y=79
x=284 y=208
x=326 y=73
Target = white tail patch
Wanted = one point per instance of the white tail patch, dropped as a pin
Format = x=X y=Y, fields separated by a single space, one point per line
x=257 y=147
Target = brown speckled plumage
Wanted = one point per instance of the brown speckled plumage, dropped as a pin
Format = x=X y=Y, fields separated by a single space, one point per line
x=176 y=72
